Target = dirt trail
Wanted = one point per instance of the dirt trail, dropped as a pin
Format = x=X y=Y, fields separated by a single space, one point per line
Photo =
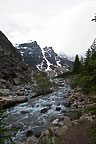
x=78 y=135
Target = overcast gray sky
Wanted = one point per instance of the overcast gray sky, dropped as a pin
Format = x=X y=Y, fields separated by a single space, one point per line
x=63 y=24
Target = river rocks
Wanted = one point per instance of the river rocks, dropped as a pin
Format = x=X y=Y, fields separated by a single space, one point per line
x=39 y=117
x=29 y=133
x=3 y=84
x=76 y=99
x=64 y=120
x=4 y=91
x=67 y=121
x=21 y=99
x=55 y=123
x=58 y=108
x=28 y=87
x=20 y=93
x=57 y=131
x=58 y=127
x=32 y=140
x=44 y=134
x=38 y=134
x=26 y=93
x=17 y=81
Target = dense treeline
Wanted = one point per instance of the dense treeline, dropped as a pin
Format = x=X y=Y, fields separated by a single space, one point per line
x=84 y=71
x=87 y=70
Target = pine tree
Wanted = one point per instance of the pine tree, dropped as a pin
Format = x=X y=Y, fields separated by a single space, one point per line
x=77 y=65
x=89 y=74
x=5 y=135
x=88 y=56
x=93 y=49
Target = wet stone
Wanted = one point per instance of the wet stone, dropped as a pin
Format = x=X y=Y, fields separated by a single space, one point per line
x=24 y=111
x=44 y=110
x=58 y=108
x=29 y=133
x=38 y=134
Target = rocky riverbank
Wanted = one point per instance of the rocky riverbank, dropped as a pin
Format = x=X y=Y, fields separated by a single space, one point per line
x=44 y=118
x=37 y=113
x=76 y=115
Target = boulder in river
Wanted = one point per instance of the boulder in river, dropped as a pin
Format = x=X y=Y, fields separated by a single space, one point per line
x=32 y=140
x=58 y=108
x=21 y=99
x=29 y=133
x=24 y=111
x=38 y=134
x=44 y=110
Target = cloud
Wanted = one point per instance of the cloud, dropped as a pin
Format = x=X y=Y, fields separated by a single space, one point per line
x=63 y=24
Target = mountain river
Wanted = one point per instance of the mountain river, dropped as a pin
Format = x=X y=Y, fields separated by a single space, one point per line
x=33 y=119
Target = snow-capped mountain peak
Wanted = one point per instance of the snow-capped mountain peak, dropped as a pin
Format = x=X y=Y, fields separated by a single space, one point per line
x=43 y=59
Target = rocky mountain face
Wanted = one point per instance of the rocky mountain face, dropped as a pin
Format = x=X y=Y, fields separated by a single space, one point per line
x=12 y=69
x=43 y=59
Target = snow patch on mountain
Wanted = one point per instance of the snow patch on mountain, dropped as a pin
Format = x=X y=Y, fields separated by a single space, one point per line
x=43 y=59
x=48 y=63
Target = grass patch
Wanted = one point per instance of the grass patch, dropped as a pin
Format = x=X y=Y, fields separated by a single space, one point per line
x=93 y=100
x=93 y=131
x=91 y=109
x=77 y=114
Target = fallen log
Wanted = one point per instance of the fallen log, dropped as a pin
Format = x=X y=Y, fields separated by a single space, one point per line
x=9 y=102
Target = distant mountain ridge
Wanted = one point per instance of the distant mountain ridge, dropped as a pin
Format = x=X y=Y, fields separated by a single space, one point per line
x=43 y=59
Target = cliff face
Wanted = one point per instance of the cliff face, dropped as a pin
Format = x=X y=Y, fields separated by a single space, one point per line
x=6 y=46
x=43 y=59
x=12 y=69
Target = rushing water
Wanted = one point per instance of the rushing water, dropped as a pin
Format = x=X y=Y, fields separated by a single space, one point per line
x=35 y=120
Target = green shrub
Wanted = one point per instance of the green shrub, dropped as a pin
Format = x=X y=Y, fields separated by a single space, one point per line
x=91 y=109
x=5 y=135
x=42 y=82
x=77 y=114
x=93 y=131
x=93 y=100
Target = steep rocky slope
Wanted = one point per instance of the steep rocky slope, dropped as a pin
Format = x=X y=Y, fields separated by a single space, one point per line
x=12 y=69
